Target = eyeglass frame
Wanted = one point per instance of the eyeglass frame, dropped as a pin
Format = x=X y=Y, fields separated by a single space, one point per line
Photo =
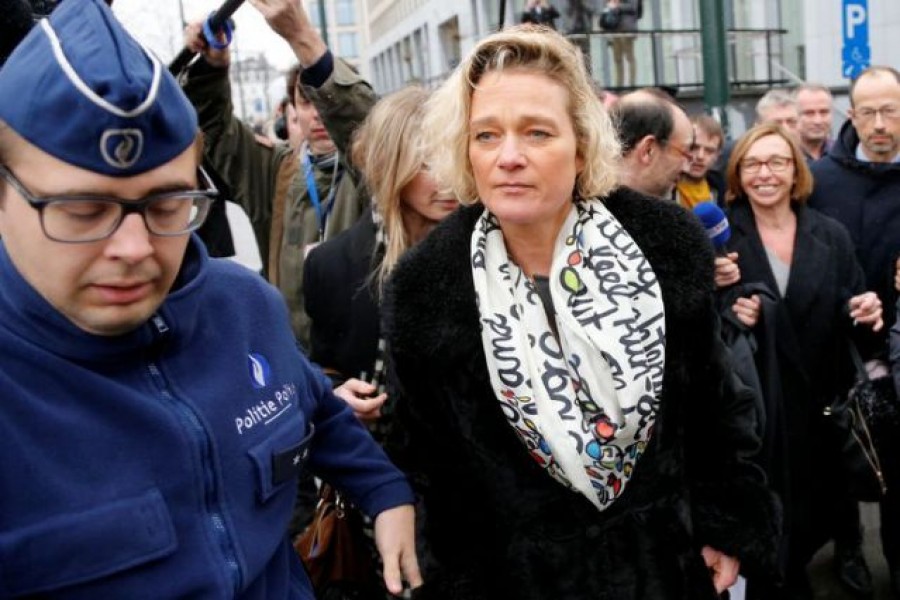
x=871 y=114
x=789 y=160
x=139 y=206
x=687 y=155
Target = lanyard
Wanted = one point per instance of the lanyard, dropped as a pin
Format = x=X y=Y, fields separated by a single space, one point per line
x=321 y=215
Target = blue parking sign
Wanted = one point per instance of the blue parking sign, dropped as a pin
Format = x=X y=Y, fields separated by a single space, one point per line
x=856 y=53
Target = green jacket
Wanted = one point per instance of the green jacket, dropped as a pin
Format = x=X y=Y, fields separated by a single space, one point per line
x=268 y=180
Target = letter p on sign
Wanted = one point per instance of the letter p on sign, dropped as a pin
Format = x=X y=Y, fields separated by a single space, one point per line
x=855 y=15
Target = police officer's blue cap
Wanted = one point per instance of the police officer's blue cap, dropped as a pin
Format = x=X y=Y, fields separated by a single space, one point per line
x=80 y=88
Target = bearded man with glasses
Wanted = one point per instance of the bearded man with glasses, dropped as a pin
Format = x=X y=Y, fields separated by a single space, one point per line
x=858 y=183
x=155 y=411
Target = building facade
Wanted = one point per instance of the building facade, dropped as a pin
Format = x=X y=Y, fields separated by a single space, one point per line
x=256 y=88
x=770 y=43
x=345 y=29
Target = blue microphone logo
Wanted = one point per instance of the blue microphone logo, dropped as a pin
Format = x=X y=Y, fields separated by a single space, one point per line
x=714 y=222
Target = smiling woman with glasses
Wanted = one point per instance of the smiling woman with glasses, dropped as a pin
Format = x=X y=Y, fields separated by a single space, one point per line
x=88 y=218
x=790 y=279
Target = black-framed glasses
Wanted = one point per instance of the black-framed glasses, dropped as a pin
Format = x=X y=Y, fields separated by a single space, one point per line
x=776 y=164
x=87 y=218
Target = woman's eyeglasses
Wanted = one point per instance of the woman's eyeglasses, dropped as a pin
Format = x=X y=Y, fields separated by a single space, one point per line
x=776 y=164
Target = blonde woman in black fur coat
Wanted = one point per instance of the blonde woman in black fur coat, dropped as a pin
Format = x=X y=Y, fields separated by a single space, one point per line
x=555 y=359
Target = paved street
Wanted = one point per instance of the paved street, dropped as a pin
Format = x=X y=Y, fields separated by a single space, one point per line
x=824 y=583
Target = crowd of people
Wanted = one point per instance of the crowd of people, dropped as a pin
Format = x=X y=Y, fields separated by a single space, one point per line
x=487 y=315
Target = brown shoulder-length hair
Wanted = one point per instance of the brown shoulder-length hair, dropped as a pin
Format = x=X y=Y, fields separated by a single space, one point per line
x=803 y=179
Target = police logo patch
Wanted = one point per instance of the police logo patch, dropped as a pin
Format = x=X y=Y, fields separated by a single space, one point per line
x=260 y=371
x=121 y=148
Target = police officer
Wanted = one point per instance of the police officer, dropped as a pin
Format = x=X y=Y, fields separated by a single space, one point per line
x=156 y=411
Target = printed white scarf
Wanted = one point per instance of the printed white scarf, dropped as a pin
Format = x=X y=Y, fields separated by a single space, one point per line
x=584 y=406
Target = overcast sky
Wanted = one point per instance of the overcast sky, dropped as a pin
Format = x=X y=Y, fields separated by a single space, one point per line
x=157 y=24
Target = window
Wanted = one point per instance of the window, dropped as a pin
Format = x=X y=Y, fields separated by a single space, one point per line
x=312 y=9
x=347 y=45
x=345 y=11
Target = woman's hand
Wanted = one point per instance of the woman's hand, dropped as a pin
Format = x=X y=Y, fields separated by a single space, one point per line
x=724 y=568
x=727 y=270
x=395 y=536
x=747 y=310
x=866 y=309
x=359 y=395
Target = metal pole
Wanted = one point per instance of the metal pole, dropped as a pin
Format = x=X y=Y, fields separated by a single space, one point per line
x=323 y=23
x=181 y=14
x=715 y=65
x=239 y=74
x=502 y=20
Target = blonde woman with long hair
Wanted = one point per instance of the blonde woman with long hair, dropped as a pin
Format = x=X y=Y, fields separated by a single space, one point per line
x=572 y=420
x=344 y=276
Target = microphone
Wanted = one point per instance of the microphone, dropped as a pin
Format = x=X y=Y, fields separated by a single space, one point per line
x=15 y=23
x=715 y=223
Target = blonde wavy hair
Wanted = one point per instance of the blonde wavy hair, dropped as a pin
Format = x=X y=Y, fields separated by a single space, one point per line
x=388 y=151
x=521 y=48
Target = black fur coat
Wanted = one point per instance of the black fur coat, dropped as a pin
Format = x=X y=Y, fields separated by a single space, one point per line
x=498 y=524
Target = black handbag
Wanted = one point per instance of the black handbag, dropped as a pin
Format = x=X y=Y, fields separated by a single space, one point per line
x=335 y=552
x=863 y=420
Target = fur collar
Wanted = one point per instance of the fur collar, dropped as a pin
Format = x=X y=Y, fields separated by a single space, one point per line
x=429 y=302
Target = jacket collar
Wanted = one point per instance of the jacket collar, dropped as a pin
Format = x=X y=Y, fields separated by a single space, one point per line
x=27 y=315
x=844 y=152
x=810 y=257
x=429 y=304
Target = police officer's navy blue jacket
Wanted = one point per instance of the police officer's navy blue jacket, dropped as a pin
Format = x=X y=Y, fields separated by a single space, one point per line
x=162 y=463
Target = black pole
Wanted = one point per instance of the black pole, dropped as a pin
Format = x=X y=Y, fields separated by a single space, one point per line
x=323 y=22
x=715 y=59
x=502 y=21
x=181 y=14
x=216 y=21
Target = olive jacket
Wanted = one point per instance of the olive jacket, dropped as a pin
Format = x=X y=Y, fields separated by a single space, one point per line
x=269 y=180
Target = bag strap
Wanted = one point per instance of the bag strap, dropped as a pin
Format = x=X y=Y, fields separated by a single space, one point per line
x=861 y=372
x=861 y=431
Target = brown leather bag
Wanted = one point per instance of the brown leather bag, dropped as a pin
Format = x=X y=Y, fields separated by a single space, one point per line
x=334 y=548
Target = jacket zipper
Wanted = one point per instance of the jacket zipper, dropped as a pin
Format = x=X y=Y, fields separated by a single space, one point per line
x=201 y=437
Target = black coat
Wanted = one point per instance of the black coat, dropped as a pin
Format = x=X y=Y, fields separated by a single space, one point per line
x=341 y=304
x=499 y=524
x=865 y=198
x=811 y=328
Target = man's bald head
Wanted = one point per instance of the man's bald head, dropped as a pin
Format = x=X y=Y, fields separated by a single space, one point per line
x=656 y=137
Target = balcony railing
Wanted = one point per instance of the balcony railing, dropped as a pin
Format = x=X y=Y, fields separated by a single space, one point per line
x=673 y=58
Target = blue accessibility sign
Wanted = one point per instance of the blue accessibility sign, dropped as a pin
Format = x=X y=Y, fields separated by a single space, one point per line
x=856 y=54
